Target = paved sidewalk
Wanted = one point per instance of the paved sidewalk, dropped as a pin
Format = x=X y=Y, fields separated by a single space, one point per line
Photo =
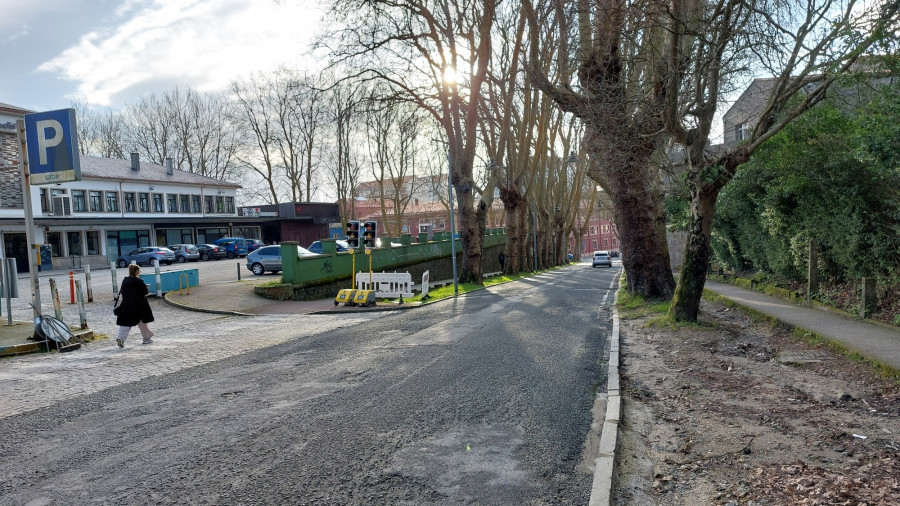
x=874 y=341
x=228 y=298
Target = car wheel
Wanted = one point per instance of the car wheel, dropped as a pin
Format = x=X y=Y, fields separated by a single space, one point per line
x=230 y=255
x=154 y=262
x=122 y=263
x=257 y=269
x=182 y=260
x=204 y=257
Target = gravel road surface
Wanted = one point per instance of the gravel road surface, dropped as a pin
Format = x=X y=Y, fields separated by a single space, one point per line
x=484 y=399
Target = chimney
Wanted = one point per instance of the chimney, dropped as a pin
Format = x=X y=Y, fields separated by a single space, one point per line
x=169 y=166
x=135 y=161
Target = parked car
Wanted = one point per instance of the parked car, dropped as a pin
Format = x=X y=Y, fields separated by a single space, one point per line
x=254 y=244
x=211 y=252
x=268 y=258
x=316 y=247
x=185 y=252
x=151 y=255
x=234 y=246
x=601 y=258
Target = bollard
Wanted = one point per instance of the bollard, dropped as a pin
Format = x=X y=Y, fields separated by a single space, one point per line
x=87 y=282
x=158 y=281
x=71 y=287
x=239 y=270
x=869 y=302
x=54 y=297
x=81 y=314
x=112 y=269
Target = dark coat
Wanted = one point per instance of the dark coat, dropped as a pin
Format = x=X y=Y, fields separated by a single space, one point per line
x=133 y=303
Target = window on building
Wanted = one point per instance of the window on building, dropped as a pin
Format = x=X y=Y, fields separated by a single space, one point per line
x=144 y=201
x=220 y=205
x=172 y=201
x=195 y=204
x=54 y=239
x=615 y=242
x=185 y=203
x=157 y=203
x=605 y=229
x=605 y=243
x=96 y=201
x=93 y=242
x=79 y=205
x=594 y=244
x=73 y=239
x=45 y=200
x=229 y=205
x=593 y=231
x=742 y=131
x=112 y=202
x=208 y=203
x=129 y=202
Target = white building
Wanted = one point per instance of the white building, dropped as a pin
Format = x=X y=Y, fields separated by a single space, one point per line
x=117 y=206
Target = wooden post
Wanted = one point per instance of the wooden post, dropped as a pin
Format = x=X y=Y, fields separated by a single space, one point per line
x=812 y=285
x=869 y=302
x=57 y=304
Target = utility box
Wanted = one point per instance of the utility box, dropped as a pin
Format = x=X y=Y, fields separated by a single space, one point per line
x=46 y=257
x=172 y=280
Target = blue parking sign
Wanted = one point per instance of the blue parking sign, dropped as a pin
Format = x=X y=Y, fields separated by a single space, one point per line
x=52 y=139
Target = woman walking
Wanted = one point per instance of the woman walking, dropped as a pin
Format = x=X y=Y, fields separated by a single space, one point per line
x=134 y=310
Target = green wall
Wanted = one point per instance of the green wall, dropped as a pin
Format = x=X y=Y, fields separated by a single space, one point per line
x=322 y=276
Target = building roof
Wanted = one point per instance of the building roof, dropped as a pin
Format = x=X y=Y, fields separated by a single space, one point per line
x=11 y=109
x=118 y=169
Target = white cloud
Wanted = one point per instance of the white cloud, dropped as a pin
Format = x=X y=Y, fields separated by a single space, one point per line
x=203 y=44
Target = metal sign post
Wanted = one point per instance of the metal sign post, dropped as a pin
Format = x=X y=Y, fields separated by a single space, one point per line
x=48 y=152
x=29 y=217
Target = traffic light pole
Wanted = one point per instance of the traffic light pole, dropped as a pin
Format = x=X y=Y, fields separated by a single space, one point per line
x=452 y=223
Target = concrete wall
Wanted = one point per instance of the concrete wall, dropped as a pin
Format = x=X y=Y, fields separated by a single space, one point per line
x=320 y=276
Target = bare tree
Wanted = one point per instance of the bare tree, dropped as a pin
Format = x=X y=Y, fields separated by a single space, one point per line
x=653 y=70
x=256 y=118
x=620 y=103
x=804 y=48
x=310 y=99
x=152 y=129
x=205 y=131
x=437 y=53
x=393 y=136
x=345 y=103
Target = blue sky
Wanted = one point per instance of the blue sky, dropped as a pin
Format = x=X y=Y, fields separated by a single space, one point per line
x=110 y=52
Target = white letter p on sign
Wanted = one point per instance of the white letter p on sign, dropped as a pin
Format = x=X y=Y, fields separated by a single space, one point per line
x=43 y=142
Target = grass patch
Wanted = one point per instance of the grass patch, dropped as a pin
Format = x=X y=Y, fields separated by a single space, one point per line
x=634 y=306
x=447 y=290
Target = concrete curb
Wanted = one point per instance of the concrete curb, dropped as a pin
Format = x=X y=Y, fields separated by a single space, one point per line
x=604 y=466
x=200 y=309
x=38 y=346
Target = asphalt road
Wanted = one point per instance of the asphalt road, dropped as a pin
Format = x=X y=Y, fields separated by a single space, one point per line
x=485 y=399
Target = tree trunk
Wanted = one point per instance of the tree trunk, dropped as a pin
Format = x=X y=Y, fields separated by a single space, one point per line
x=641 y=222
x=689 y=291
x=470 y=236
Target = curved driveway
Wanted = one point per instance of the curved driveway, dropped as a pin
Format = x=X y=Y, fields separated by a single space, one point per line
x=482 y=399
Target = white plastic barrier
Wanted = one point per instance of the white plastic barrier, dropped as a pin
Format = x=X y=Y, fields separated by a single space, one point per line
x=387 y=285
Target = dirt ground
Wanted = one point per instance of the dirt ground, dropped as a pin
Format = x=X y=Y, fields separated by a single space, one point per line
x=735 y=411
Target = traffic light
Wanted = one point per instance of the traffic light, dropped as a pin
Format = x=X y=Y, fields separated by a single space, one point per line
x=370 y=232
x=353 y=233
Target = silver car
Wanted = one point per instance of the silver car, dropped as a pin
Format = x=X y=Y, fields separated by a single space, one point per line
x=268 y=258
x=150 y=255
x=185 y=252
